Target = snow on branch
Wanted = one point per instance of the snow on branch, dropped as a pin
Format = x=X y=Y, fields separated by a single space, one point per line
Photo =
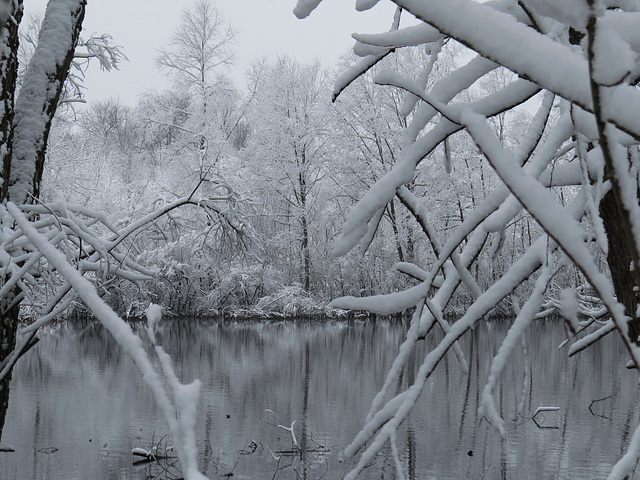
x=362 y=5
x=101 y=48
x=304 y=8
x=553 y=218
x=181 y=425
x=409 y=36
x=501 y=38
x=592 y=338
x=355 y=225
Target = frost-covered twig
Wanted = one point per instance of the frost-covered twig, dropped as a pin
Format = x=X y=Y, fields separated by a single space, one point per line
x=592 y=338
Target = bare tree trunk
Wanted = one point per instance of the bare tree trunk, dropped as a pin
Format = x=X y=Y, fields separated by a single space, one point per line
x=306 y=252
x=391 y=209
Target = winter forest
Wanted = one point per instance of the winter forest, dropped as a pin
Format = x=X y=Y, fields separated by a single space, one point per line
x=477 y=161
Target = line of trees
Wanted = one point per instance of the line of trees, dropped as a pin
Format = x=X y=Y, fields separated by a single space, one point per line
x=296 y=162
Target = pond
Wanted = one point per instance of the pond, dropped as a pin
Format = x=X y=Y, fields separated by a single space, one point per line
x=78 y=407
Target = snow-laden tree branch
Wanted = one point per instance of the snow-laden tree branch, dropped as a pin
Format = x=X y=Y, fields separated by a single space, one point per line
x=179 y=413
x=573 y=172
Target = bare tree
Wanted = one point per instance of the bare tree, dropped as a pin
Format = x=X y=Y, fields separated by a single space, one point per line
x=288 y=148
x=201 y=47
x=197 y=57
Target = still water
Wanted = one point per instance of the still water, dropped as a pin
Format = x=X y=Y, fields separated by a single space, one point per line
x=78 y=406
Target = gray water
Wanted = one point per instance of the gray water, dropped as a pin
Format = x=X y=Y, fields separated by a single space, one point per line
x=78 y=406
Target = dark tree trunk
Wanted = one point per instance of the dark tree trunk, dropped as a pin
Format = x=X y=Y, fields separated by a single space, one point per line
x=391 y=209
x=9 y=63
x=8 y=330
x=622 y=254
x=306 y=252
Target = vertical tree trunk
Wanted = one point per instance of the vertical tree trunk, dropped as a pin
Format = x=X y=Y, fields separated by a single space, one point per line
x=306 y=252
x=622 y=250
x=391 y=210
x=8 y=76
x=24 y=128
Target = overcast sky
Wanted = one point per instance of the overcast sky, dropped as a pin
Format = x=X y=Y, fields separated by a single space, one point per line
x=263 y=28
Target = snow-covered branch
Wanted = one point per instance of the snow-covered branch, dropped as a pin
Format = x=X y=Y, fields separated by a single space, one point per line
x=572 y=173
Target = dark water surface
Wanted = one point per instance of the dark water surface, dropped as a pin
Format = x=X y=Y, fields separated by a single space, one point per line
x=78 y=406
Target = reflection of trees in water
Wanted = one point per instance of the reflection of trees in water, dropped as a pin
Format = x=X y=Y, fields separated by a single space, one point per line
x=77 y=385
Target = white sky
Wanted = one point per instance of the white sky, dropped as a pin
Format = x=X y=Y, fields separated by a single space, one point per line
x=263 y=28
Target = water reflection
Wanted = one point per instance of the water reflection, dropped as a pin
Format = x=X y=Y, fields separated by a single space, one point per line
x=78 y=406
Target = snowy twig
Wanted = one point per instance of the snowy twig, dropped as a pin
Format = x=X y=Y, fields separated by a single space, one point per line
x=291 y=431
